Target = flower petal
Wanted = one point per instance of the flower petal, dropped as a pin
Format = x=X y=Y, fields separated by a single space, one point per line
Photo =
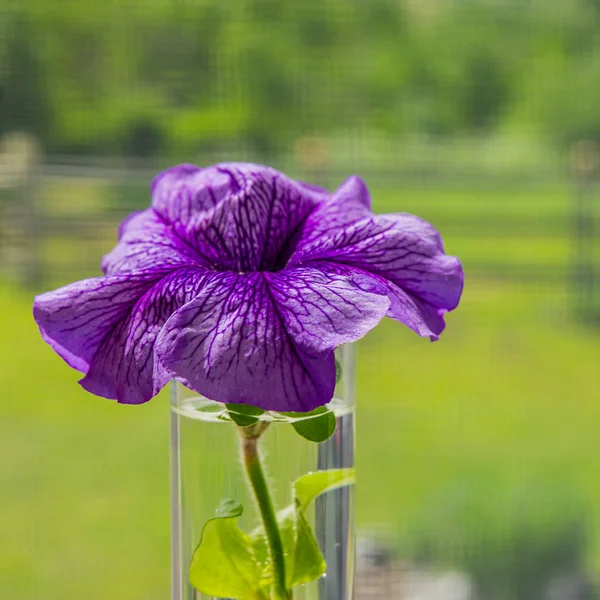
x=239 y=217
x=231 y=345
x=75 y=319
x=146 y=242
x=421 y=317
x=401 y=249
x=106 y=327
x=256 y=226
x=349 y=204
x=322 y=309
x=183 y=192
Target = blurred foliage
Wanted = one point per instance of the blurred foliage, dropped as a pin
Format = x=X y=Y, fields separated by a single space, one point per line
x=24 y=95
x=188 y=76
x=511 y=539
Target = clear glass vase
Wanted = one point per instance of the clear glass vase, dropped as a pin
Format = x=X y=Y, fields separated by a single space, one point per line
x=206 y=468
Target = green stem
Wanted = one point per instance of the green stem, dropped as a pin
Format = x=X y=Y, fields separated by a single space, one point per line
x=258 y=482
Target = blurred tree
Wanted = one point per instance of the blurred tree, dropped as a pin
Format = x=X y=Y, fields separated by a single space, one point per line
x=267 y=72
x=24 y=103
x=486 y=92
x=144 y=138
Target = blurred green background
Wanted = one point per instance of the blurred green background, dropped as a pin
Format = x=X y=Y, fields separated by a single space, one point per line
x=477 y=454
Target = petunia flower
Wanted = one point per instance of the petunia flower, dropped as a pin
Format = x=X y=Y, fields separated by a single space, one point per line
x=240 y=283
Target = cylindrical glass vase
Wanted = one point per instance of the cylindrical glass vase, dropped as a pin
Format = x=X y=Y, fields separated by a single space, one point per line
x=206 y=468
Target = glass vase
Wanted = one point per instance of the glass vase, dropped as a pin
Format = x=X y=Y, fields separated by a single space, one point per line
x=206 y=468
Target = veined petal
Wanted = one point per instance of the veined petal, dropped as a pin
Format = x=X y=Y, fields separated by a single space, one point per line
x=146 y=241
x=107 y=327
x=231 y=344
x=403 y=249
x=181 y=193
x=256 y=226
x=240 y=217
x=125 y=366
x=185 y=198
x=322 y=309
x=418 y=315
x=349 y=204
x=76 y=318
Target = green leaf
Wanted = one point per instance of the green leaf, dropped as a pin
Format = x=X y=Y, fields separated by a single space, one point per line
x=338 y=371
x=303 y=559
x=309 y=486
x=224 y=564
x=308 y=563
x=261 y=550
x=317 y=425
x=244 y=415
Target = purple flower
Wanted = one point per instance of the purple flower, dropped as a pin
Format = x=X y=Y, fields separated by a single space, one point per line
x=240 y=283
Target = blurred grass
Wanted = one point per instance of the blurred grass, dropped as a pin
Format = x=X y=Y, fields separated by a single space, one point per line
x=509 y=392
x=507 y=396
x=84 y=483
x=511 y=389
